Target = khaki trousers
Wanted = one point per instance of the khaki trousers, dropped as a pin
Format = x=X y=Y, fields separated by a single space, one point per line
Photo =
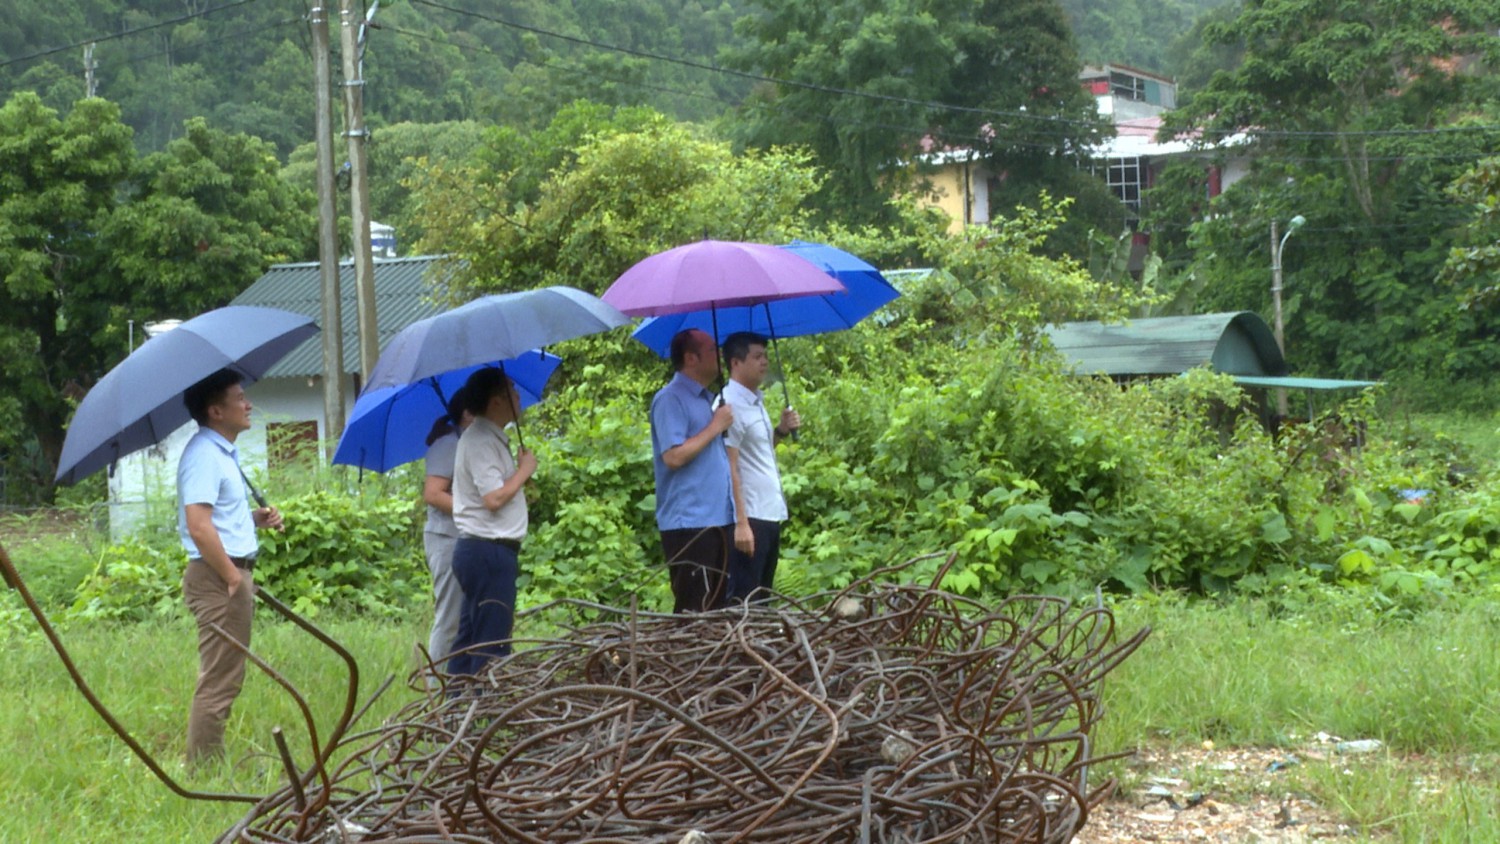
x=221 y=666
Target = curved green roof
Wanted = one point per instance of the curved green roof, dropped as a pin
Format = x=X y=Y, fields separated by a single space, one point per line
x=1237 y=343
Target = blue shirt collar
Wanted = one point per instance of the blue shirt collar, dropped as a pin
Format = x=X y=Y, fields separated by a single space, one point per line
x=219 y=440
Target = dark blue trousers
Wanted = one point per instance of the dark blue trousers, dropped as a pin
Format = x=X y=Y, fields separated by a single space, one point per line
x=751 y=577
x=486 y=571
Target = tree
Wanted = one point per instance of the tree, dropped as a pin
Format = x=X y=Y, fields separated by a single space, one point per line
x=204 y=218
x=626 y=195
x=397 y=155
x=1357 y=113
x=58 y=186
x=92 y=238
x=1474 y=265
x=869 y=84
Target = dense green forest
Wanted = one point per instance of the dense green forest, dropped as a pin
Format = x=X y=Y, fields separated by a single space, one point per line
x=244 y=64
x=563 y=140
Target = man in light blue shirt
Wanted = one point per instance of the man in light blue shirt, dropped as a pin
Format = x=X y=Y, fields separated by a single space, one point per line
x=694 y=496
x=217 y=528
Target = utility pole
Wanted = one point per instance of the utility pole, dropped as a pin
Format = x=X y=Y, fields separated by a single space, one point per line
x=352 y=47
x=328 y=232
x=90 y=84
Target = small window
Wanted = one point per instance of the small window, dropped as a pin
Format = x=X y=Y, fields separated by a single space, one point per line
x=292 y=443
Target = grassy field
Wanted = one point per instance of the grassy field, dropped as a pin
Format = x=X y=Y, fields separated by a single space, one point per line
x=1226 y=675
x=1232 y=675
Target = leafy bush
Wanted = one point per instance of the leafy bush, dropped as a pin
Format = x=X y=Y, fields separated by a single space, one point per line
x=348 y=552
x=132 y=581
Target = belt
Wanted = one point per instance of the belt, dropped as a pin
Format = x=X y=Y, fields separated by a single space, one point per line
x=512 y=544
x=246 y=563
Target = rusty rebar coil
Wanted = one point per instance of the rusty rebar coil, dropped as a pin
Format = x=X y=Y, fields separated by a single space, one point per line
x=879 y=713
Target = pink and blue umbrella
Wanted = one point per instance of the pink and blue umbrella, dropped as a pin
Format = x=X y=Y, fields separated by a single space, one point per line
x=866 y=290
x=716 y=274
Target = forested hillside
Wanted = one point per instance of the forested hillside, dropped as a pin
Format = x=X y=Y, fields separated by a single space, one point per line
x=245 y=66
x=1144 y=33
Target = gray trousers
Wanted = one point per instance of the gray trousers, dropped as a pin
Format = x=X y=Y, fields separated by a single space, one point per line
x=447 y=595
x=221 y=666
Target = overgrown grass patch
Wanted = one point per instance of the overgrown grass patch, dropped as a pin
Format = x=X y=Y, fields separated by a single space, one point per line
x=71 y=780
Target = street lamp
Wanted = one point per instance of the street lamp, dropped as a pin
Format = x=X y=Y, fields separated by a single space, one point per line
x=1276 y=247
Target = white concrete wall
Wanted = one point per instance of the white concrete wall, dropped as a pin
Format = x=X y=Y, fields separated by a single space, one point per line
x=1235 y=168
x=143 y=487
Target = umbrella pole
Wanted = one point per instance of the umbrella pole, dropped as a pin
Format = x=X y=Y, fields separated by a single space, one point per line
x=515 y=403
x=776 y=348
x=786 y=392
x=713 y=311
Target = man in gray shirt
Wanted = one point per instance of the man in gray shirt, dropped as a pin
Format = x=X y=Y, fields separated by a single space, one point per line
x=489 y=508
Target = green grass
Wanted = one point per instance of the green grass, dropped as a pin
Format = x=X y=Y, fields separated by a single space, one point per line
x=1231 y=674
x=1237 y=674
x=1240 y=673
x=71 y=780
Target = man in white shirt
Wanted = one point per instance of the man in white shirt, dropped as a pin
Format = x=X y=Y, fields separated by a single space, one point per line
x=217 y=529
x=759 y=505
x=489 y=508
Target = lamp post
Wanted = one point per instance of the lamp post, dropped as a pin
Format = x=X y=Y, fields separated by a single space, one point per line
x=1276 y=247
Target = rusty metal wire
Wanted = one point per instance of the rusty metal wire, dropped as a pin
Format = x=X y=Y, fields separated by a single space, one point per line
x=884 y=712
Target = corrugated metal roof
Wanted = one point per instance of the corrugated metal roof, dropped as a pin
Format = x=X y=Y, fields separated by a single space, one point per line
x=1238 y=343
x=1296 y=383
x=406 y=290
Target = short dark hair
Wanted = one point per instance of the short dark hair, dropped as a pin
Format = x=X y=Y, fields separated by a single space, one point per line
x=737 y=345
x=456 y=406
x=682 y=343
x=483 y=385
x=209 y=392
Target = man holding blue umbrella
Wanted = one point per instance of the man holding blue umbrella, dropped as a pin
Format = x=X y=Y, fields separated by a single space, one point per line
x=694 y=494
x=217 y=528
x=759 y=505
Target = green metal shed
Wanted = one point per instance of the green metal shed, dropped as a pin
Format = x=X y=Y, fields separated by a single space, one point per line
x=1237 y=343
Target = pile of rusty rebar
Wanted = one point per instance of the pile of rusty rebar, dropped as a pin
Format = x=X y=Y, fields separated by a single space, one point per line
x=881 y=713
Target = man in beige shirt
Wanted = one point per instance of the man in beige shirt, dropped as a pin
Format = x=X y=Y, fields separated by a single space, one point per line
x=489 y=508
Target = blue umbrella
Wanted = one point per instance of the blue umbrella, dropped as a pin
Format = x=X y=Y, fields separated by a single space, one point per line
x=389 y=425
x=139 y=402
x=866 y=290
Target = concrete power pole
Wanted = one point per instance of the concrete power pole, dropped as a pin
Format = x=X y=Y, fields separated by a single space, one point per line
x=352 y=46
x=328 y=232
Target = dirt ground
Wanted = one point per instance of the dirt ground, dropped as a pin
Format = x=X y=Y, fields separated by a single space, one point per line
x=1238 y=795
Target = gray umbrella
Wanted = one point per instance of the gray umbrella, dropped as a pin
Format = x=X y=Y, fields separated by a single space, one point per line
x=140 y=401
x=505 y=325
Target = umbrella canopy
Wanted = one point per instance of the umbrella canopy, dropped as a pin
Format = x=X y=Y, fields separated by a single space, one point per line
x=389 y=426
x=866 y=291
x=713 y=274
x=139 y=402
x=490 y=328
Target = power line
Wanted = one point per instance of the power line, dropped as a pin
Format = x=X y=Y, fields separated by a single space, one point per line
x=820 y=117
x=756 y=77
x=112 y=36
x=931 y=104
